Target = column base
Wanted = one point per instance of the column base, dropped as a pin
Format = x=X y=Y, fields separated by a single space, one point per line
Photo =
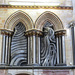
x=3 y=64
x=61 y=64
x=36 y=64
x=33 y=64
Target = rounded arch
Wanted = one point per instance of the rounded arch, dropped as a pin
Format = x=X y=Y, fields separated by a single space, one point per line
x=16 y=17
x=50 y=17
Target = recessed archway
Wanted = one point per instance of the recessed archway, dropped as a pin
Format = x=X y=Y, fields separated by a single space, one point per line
x=50 y=17
x=19 y=46
x=16 y=17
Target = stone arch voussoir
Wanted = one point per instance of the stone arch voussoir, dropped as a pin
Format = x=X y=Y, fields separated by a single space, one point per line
x=50 y=17
x=16 y=17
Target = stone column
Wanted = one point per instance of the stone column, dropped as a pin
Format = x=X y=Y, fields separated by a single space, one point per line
x=6 y=50
x=34 y=50
x=72 y=26
x=30 y=47
x=63 y=47
x=9 y=49
x=60 y=49
x=28 y=50
x=73 y=3
x=38 y=48
x=60 y=39
x=57 y=44
x=5 y=47
x=33 y=47
x=31 y=50
x=1 y=38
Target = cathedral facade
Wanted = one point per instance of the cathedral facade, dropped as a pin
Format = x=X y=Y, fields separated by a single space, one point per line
x=37 y=39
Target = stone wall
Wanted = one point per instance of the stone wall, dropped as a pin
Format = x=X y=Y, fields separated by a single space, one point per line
x=64 y=15
x=62 y=2
x=37 y=72
x=3 y=72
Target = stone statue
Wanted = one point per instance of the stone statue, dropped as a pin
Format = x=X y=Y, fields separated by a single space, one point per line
x=49 y=48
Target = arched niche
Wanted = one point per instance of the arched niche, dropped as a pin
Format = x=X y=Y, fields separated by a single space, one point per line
x=19 y=46
x=50 y=17
x=16 y=17
x=48 y=45
x=53 y=39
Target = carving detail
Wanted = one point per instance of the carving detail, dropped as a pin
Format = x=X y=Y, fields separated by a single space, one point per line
x=48 y=49
x=19 y=46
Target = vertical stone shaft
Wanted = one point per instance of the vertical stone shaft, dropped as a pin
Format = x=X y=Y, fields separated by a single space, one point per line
x=6 y=53
x=39 y=50
x=31 y=51
x=3 y=52
x=34 y=50
x=60 y=49
x=9 y=50
x=57 y=43
x=63 y=47
x=28 y=50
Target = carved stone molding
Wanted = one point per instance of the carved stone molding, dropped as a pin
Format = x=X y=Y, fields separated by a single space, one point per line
x=16 y=17
x=37 y=7
x=51 y=17
x=60 y=32
x=6 y=32
x=72 y=24
x=34 y=32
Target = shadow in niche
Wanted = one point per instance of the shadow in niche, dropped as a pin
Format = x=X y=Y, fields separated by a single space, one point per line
x=19 y=46
x=22 y=74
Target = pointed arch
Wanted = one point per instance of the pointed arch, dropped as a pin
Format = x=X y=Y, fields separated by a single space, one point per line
x=16 y=17
x=19 y=46
x=50 y=17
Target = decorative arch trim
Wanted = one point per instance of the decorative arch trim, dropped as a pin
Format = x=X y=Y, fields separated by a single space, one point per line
x=16 y=17
x=50 y=17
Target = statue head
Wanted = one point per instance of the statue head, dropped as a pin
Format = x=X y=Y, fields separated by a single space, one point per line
x=46 y=30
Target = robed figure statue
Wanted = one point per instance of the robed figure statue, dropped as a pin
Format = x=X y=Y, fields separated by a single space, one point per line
x=48 y=50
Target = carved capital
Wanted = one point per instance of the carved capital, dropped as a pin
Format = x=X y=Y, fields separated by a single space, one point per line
x=6 y=32
x=72 y=24
x=60 y=32
x=33 y=32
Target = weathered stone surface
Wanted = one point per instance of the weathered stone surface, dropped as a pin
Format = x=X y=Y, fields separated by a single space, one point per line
x=3 y=72
x=41 y=72
x=56 y=72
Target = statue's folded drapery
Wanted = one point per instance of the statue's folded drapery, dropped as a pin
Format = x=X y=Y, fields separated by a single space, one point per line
x=48 y=51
